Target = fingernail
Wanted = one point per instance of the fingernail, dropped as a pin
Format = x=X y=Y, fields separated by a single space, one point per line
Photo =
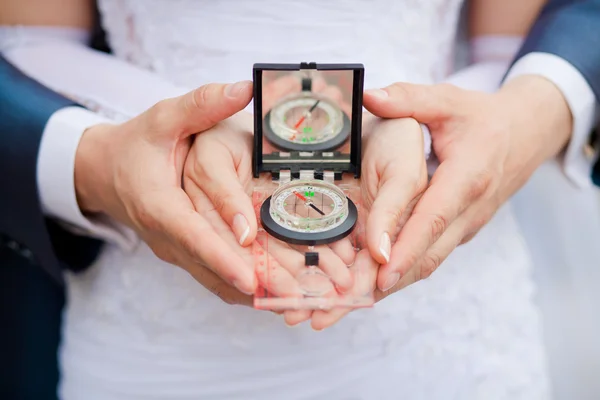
x=379 y=93
x=241 y=229
x=290 y=325
x=235 y=89
x=391 y=281
x=242 y=288
x=385 y=246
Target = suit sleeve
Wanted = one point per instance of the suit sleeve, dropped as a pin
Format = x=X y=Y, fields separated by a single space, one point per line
x=571 y=31
x=564 y=47
x=25 y=108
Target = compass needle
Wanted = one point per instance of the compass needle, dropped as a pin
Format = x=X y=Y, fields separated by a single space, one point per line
x=316 y=209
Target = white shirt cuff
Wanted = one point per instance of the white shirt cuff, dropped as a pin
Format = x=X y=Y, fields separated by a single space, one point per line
x=56 y=172
x=577 y=165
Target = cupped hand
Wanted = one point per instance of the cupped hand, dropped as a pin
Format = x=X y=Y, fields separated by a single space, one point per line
x=133 y=173
x=394 y=176
x=218 y=179
x=487 y=145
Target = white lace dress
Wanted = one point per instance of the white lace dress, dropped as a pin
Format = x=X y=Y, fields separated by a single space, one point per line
x=137 y=328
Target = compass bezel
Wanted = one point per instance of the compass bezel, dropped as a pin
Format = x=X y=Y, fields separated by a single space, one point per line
x=308 y=238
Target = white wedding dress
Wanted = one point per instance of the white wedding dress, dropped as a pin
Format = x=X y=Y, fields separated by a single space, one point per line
x=138 y=328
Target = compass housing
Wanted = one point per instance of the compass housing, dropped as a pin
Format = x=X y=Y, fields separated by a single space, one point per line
x=308 y=212
x=318 y=158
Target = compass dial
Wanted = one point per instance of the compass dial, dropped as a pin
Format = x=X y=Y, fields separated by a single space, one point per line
x=309 y=211
x=308 y=122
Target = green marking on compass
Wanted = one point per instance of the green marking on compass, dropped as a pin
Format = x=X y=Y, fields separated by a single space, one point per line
x=307 y=129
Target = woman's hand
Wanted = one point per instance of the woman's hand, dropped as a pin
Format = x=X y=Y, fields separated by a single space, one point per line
x=394 y=176
x=218 y=179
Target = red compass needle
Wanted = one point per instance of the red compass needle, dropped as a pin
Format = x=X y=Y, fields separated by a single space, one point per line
x=308 y=203
x=298 y=195
x=306 y=114
x=299 y=122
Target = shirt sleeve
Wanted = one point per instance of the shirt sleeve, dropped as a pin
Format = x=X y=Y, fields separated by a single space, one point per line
x=111 y=89
x=56 y=172
x=577 y=161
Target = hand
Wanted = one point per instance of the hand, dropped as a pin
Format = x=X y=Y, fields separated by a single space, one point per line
x=218 y=179
x=133 y=173
x=487 y=144
x=394 y=175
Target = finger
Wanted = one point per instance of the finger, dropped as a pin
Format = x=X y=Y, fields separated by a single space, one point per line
x=217 y=286
x=386 y=216
x=295 y=317
x=365 y=274
x=408 y=279
x=441 y=249
x=437 y=253
x=194 y=236
x=272 y=276
x=332 y=265
x=344 y=249
x=216 y=175
x=454 y=187
x=425 y=103
x=396 y=164
x=198 y=110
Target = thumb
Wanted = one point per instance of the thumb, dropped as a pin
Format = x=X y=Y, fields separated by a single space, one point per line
x=200 y=109
x=218 y=178
x=425 y=103
x=389 y=210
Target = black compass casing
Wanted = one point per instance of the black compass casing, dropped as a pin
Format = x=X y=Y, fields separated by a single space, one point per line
x=315 y=157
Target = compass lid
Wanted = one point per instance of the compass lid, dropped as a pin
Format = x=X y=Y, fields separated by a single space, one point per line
x=307 y=116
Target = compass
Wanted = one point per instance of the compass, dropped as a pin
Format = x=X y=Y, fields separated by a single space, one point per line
x=307 y=207
x=308 y=212
x=306 y=121
x=319 y=146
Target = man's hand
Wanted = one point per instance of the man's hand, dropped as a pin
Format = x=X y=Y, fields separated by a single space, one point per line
x=488 y=146
x=133 y=173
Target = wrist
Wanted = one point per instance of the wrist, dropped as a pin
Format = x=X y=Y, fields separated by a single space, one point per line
x=92 y=184
x=539 y=115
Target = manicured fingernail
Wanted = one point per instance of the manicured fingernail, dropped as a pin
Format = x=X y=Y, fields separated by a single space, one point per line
x=290 y=325
x=242 y=288
x=385 y=246
x=391 y=281
x=379 y=93
x=235 y=89
x=241 y=229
